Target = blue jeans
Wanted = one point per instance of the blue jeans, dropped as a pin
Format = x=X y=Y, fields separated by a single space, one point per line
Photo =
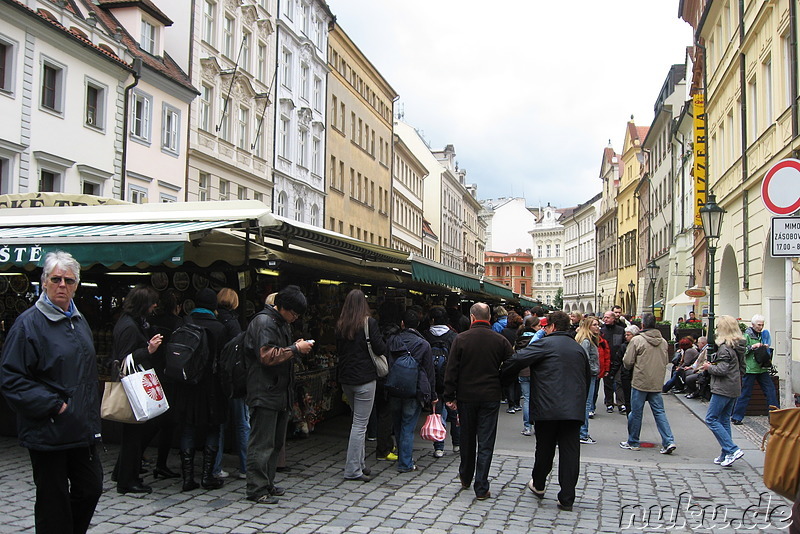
x=749 y=380
x=589 y=400
x=240 y=419
x=635 y=416
x=525 y=386
x=405 y=413
x=361 y=398
x=718 y=420
x=450 y=415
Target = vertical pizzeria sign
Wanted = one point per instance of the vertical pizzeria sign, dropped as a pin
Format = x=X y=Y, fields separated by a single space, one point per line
x=699 y=170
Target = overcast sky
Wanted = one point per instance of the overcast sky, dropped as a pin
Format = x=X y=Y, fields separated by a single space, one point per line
x=529 y=92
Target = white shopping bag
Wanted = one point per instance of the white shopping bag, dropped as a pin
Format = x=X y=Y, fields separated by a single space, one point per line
x=144 y=391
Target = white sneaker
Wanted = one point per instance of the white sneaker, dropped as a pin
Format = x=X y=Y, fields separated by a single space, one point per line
x=719 y=459
x=438 y=453
x=668 y=449
x=626 y=445
x=588 y=440
x=730 y=458
x=241 y=476
x=222 y=474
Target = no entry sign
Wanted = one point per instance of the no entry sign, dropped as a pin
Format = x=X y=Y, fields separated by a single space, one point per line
x=780 y=189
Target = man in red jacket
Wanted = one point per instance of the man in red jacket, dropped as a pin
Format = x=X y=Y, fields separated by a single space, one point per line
x=472 y=386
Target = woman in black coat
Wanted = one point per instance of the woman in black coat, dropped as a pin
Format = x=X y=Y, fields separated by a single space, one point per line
x=133 y=335
x=202 y=408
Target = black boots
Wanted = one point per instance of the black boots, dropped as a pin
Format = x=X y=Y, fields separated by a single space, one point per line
x=187 y=470
x=208 y=480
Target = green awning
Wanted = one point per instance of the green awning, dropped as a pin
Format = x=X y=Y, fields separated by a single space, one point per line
x=496 y=289
x=129 y=254
x=442 y=276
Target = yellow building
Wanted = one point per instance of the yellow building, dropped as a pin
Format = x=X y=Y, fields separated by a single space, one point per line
x=359 y=144
x=627 y=217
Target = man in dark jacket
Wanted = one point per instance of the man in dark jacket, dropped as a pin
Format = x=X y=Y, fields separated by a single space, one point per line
x=614 y=334
x=560 y=376
x=48 y=375
x=270 y=389
x=405 y=411
x=472 y=386
x=441 y=337
x=458 y=320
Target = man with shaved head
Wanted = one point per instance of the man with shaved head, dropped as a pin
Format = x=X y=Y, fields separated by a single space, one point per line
x=472 y=386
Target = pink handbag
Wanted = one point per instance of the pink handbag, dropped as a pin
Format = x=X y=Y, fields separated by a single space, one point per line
x=433 y=429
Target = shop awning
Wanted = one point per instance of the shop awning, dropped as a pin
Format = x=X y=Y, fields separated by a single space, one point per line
x=493 y=288
x=433 y=273
x=682 y=300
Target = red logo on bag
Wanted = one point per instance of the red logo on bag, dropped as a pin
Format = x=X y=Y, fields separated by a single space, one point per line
x=152 y=386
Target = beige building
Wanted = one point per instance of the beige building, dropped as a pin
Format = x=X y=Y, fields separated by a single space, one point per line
x=359 y=146
x=606 y=224
x=407 y=184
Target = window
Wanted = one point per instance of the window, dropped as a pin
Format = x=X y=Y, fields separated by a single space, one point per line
x=261 y=68
x=224 y=189
x=523 y=288
x=280 y=207
x=95 y=105
x=288 y=9
x=242 y=193
x=246 y=38
x=319 y=33
x=549 y=250
x=49 y=181
x=206 y=99
x=316 y=154
x=171 y=127
x=227 y=36
x=5 y=175
x=7 y=51
x=538 y=275
x=306 y=18
x=539 y=251
x=258 y=142
x=140 y=116
x=786 y=52
x=304 y=71
x=225 y=121
x=202 y=186
x=315 y=215
x=558 y=249
x=752 y=104
x=299 y=207
x=90 y=188
x=137 y=195
x=244 y=128
x=148 y=40
x=342 y=117
x=302 y=141
x=287 y=69
x=334 y=111
x=209 y=16
x=258 y=196
x=164 y=198
x=283 y=137
x=52 y=86
x=318 y=94
x=768 y=111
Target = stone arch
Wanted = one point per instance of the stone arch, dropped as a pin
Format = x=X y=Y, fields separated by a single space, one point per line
x=727 y=285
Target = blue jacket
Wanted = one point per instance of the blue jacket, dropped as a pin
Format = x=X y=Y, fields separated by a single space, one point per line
x=501 y=323
x=48 y=360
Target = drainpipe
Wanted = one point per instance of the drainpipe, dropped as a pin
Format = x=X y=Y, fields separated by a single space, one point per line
x=137 y=73
x=745 y=170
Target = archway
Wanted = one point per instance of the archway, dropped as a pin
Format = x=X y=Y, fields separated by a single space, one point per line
x=773 y=304
x=727 y=285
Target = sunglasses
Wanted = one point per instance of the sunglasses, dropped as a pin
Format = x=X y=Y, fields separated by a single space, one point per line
x=57 y=280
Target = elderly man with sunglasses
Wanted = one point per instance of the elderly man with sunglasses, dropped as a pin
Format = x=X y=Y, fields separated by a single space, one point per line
x=48 y=375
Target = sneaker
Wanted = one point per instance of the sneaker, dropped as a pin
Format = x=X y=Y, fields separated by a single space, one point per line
x=241 y=475
x=511 y=410
x=626 y=445
x=456 y=448
x=609 y=409
x=221 y=474
x=526 y=432
x=438 y=453
x=719 y=459
x=668 y=449
x=591 y=415
x=623 y=410
x=391 y=457
x=730 y=458
x=588 y=440
x=737 y=421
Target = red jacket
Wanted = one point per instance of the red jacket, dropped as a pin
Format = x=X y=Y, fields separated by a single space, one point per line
x=604 y=351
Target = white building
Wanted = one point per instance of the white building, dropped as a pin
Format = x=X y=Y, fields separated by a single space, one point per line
x=548 y=254
x=408 y=174
x=580 y=256
x=228 y=49
x=62 y=95
x=508 y=223
x=299 y=170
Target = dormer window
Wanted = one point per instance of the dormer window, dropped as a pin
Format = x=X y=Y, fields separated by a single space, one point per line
x=148 y=40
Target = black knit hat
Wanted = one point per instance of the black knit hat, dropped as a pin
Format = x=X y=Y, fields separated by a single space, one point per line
x=206 y=298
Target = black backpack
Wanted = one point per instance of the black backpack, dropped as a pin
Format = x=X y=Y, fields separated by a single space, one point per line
x=186 y=354
x=233 y=368
x=763 y=356
x=403 y=376
x=440 y=351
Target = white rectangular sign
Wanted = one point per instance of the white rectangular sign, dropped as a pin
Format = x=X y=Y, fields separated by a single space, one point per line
x=785 y=240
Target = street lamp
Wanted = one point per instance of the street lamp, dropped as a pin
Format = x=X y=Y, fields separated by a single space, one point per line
x=622 y=299
x=631 y=286
x=711 y=216
x=652 y=273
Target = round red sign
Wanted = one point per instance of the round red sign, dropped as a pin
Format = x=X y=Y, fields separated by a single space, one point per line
x=780 y=189
x=152 y=386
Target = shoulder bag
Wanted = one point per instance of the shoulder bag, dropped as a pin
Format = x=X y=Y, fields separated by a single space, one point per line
x=381 y=365
x=782 y=462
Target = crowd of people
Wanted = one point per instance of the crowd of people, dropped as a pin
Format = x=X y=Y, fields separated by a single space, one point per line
x=551 y=367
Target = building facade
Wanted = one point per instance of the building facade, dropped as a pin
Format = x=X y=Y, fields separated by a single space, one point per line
x=474 y=228
x=514 y=270
x=359 y=148
x=547 y=239
x=606 y=230
x=580 y=253
x=408 y=225
x=508 y=221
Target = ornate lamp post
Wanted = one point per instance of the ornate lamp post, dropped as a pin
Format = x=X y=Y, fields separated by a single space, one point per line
x=631 y=287
x=711 y=215
x=652 y=273
x=622 y=299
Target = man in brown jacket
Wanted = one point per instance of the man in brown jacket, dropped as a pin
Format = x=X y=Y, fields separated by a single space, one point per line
x=647 y=356
x=472 y=386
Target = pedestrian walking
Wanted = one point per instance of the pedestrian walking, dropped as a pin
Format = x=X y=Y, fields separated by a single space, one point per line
x=756 y=337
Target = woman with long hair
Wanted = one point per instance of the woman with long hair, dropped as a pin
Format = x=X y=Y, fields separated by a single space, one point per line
x=133 y=335
x=588 y=336
x=726 y=368
x=357 y=374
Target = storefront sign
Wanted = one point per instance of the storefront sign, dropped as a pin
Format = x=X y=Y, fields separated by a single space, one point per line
x=785 y=240
x=51 y=200
x=20 y=255
x=699 y=171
